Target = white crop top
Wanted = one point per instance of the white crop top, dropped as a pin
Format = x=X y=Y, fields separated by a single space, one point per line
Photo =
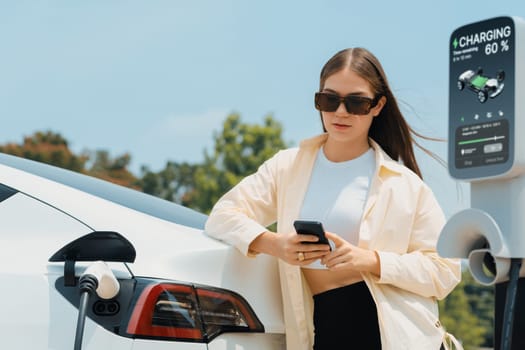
x=337 y=193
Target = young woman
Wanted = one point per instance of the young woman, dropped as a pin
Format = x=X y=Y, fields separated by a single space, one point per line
x=377 y=288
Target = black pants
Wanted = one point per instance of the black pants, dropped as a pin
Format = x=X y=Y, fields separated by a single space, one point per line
x=346 y=318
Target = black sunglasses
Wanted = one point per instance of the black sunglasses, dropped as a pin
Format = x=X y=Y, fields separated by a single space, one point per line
x=329 y=102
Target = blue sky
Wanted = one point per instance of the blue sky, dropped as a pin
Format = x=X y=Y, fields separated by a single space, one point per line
x=156 y=78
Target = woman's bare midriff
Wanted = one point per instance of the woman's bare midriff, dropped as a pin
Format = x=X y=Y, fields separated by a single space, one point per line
x=322 y=280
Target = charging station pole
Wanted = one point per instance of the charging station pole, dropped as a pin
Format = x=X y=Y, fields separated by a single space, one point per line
x=487 y=148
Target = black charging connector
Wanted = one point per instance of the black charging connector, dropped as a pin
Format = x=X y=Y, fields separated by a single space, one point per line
x=87 y=284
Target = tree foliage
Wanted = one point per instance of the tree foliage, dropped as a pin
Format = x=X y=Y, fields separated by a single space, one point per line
x=111 y=169
x=481 y=301
x=468 y=313
x=174 y=183
x=47 y=147
x=239 y=149
x=51 y=148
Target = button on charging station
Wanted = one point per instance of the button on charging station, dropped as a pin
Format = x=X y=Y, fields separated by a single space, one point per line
x=493 y=147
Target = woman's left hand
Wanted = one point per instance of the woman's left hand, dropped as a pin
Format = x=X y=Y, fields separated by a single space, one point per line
x=348 y=256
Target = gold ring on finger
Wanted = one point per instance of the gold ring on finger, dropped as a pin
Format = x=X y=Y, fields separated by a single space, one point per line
x=300 y=256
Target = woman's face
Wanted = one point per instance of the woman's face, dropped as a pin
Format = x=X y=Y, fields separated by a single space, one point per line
x=351 y=129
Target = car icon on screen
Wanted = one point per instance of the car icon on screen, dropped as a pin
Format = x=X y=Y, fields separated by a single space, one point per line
x=482 y=85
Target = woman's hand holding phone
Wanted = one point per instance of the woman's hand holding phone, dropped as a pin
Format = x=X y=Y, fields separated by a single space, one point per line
x=290 y=247
x=313 y=244
x=351 y=257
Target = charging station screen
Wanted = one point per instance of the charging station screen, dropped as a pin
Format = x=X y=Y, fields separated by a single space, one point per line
x=481 y=99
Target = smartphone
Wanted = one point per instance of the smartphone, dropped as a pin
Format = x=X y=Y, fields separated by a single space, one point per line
x=307 y=227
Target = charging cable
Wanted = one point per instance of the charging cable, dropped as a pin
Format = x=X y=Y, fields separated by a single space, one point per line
x=510 y=304
x=98 y=278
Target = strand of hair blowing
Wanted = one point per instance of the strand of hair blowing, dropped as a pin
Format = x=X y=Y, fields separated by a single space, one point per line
x=391 y=131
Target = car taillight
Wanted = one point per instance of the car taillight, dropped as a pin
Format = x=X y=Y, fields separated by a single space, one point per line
x=190 y=313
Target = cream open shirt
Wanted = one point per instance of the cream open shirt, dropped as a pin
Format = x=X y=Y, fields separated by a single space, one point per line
x=401 y=221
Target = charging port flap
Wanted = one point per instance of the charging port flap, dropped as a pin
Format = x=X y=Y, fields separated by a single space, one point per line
x=97 y=245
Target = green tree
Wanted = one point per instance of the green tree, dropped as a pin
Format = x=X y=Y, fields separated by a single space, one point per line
x=173 y=183
x=239 y=149
x=51 y=148
x=47 y=147
x=481 y=301
x=115 y=170
x=459 y=315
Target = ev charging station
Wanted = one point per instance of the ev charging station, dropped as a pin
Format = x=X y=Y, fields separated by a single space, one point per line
x=487 y=148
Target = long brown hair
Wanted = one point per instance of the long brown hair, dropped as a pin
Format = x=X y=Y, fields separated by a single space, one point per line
x=389 y=129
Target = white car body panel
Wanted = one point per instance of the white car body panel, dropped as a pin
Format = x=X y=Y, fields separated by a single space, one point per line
x=34 y=228
x=240 y=341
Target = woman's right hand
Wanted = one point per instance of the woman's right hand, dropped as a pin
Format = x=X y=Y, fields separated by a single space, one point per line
x=290 y=247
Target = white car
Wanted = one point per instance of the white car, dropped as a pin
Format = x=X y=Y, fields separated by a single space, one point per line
x=177 y=288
